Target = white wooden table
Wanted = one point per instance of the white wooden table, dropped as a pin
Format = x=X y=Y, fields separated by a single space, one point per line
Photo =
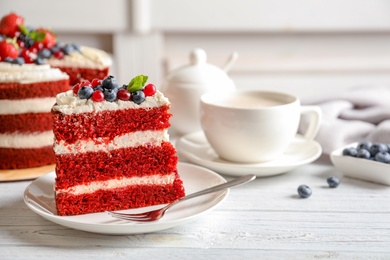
x=264 y=219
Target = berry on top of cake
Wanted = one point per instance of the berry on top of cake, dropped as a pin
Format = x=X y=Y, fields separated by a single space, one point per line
x=112 y=147
x=21 y=44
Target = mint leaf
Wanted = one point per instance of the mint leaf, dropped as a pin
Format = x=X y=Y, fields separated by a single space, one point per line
x=24 y=29
x=145 y=78
x=34 y=35
x=37 y=36
x=137 y=83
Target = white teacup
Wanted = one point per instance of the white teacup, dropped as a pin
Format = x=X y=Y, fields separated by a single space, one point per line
x=249 y=126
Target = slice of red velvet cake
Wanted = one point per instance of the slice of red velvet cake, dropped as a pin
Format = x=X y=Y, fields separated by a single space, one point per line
x=112 y=148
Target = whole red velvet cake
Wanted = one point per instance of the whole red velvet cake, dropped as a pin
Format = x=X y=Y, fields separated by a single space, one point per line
x=112 y=148
x=34 y=68
x=27 y=93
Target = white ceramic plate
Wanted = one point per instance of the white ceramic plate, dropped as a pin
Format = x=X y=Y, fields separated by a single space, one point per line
x=195 y=148
x=39 y=197
x=362 y=169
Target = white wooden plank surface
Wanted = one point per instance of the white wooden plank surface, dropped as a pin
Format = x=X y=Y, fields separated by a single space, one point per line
x=261 y=220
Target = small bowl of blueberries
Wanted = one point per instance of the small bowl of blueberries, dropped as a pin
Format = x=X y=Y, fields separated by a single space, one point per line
x=364 y=160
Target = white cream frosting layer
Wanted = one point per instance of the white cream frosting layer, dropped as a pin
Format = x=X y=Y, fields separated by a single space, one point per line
x=33 y=140
x=129 y=140
x=29 y=105
x=29 y=73
x=88 y=57
x=119 y=183
x=68 y=103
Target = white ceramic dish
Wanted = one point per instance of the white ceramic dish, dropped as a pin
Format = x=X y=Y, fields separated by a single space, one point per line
x=362 y=169
x=195 y=148
x=39 y=197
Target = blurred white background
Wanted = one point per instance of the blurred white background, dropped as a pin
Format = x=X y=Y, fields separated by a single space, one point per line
x=302 y=46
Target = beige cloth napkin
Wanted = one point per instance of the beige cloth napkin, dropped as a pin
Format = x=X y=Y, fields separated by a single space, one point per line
x=360 y=113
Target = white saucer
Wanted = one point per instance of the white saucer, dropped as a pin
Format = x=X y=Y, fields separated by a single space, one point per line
x=195 y=148
x=39 y=197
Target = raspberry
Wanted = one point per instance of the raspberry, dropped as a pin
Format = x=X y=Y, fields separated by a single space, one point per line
x=85 y=83
x=36 y=47
x=9 y=25
x=124 y=95
x=76 y=88
x=8 y=50
x=96 y=82
x=59 y=55
x=149 y=90
x=98 y=96
x=26 y=55
x=50 y=39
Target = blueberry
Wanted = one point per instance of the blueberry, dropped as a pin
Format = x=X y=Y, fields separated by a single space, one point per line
x=18 y=61
x=333 y=182
x=56 y=48
x=383 y=157
x=363 y=153
x=39 y=61
x=9 y=60
x=98 y=88
x=76 y=47
x=378 y=148
x=138 y=97
x=364 y=145
x=110 y=94
x=110 y=83
x=85 y=92
x=304 y=191
x=28 y=41
x=351 y=151
x=44 y=53
x=68 y=48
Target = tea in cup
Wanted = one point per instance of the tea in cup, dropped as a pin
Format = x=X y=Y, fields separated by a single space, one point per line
x=252 y=126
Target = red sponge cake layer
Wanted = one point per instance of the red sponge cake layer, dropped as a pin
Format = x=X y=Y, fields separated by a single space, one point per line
x=26 y=123
x=108 y=124
x=141 y=161
x=121 y=198
x=11 y=158
x=18 y=91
